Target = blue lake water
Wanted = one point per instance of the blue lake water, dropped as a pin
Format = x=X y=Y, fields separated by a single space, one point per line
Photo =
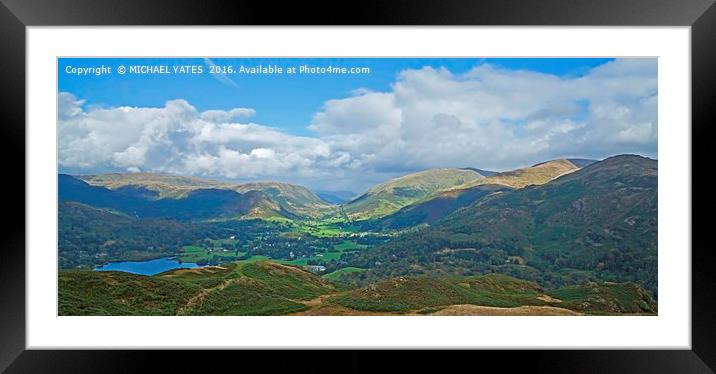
x=148 y=267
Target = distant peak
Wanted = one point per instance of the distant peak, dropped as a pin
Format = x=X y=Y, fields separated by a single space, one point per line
x=629 y=156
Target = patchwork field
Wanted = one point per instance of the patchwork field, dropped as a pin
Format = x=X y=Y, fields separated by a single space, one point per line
x=205 y=255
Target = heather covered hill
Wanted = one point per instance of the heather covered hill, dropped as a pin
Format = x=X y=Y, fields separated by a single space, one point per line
x=258 y=288
x=268 y=288
x=598 y=223
x=427 y=295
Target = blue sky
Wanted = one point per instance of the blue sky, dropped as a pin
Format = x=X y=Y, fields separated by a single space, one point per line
x=348 y=132
x=286 y=101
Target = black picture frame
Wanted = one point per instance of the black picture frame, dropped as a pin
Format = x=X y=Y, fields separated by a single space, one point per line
x=16 y=15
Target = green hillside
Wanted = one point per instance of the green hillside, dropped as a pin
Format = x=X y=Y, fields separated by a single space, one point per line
x=443 y=201
x=337 y=275
x=429 y=294
x=267 y=288
x=107 y=293
x=607 y=298
x=404 y=294
x=90 y=236
x=392 y=195
x=250 y=288
x=598 y=223
x=434 y=209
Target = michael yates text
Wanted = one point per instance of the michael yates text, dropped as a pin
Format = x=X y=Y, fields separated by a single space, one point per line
x=165 y=69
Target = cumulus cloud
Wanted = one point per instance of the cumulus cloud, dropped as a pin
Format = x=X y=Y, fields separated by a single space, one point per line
x=488 y=117
x=178 y=139
x=497 y=118
x=227 y=115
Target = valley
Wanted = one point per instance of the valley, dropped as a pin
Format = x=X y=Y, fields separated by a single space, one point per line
x=563 y=237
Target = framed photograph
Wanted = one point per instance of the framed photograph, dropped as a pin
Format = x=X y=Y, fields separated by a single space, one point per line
x=461 y=176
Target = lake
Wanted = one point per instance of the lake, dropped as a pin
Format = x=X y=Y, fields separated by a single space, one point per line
x=148 y=267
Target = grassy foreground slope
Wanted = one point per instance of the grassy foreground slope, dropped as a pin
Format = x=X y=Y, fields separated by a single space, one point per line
x=427 y=295
x=268 y=288
x=251 y=288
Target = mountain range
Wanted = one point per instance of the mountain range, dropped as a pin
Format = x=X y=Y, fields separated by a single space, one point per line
x=154 y=195
x=557 y=223
x=445 y=201
x=597 y=221
x=186 y=198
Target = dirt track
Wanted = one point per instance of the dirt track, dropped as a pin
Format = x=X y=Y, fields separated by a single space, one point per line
x=474 y=310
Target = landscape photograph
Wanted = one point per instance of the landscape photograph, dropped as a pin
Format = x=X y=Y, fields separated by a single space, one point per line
x=357 y=187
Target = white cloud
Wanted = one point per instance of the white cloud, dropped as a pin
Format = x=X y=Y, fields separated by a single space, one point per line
x=227 y=115
x=179 y=139
x=496 y=118
x=489 y=118
x=68 y=105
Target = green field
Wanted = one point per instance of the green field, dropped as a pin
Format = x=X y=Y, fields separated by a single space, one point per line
x=320 y=228
x=321 y=257
x=214 y=252
x=325 y=257
x=203 y=255
x=247 y=288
